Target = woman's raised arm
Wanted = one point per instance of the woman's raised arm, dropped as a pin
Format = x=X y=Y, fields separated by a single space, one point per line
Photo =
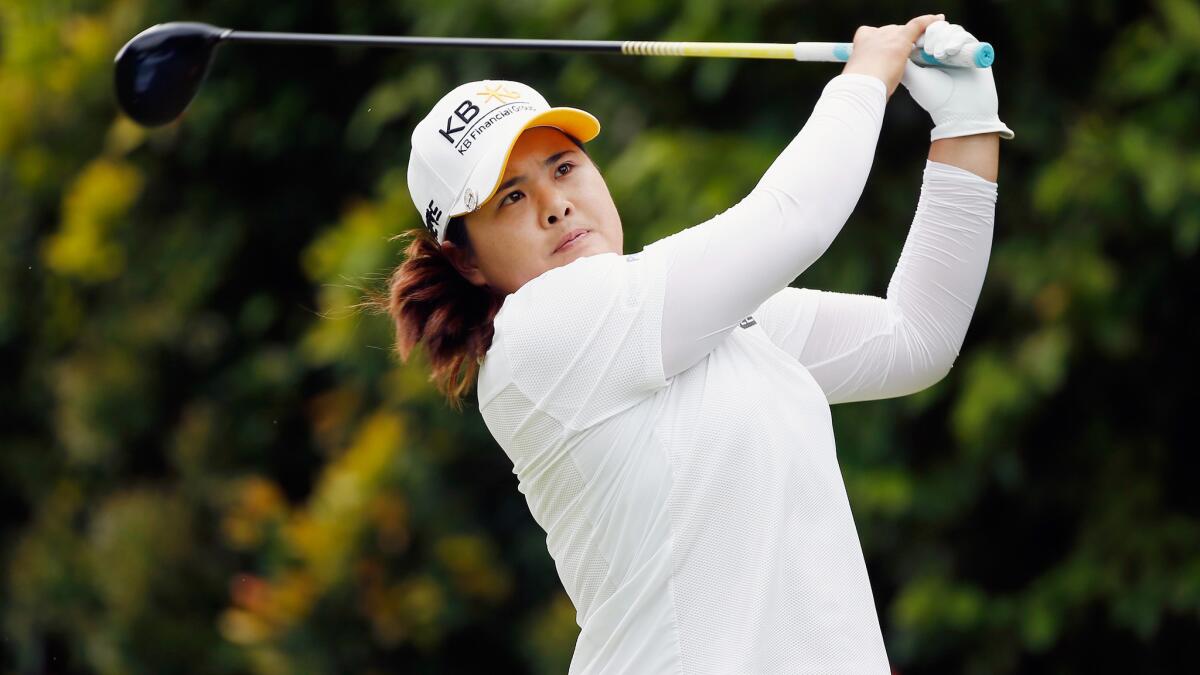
x=721 y=270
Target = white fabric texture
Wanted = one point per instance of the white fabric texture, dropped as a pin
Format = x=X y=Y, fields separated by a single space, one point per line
x=667 y=413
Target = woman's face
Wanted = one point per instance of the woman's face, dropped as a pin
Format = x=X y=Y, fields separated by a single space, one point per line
x=551 y=208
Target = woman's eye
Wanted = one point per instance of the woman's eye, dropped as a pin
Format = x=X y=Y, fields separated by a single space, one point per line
x=516 y=195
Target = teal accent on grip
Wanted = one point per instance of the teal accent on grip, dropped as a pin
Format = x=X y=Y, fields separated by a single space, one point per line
x=985 y=55
x=841 y=51
x=929 y=58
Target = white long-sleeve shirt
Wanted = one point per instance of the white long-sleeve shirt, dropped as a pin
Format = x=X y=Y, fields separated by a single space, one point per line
x=667 y=413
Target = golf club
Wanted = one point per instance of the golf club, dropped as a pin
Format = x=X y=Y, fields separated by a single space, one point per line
x=160 y=70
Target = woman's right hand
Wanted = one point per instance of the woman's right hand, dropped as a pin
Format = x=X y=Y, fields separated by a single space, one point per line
x=882 y=52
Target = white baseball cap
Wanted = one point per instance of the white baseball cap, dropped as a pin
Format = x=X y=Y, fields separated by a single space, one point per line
x=460 y=149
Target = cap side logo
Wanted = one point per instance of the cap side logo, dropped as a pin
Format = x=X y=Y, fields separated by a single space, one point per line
x=432 y=216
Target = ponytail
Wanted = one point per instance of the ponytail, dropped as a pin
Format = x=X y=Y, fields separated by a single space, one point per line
x=432 y=303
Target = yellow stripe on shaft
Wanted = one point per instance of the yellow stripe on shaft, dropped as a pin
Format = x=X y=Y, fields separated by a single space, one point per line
x=736 y=50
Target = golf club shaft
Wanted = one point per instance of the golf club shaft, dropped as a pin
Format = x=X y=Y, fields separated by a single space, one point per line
x=159 y=71
x=977 y=55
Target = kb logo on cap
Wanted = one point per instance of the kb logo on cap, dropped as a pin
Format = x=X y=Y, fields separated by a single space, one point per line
x=466 y=111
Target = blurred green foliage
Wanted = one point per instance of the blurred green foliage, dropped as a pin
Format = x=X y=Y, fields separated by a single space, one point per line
x=212 y=463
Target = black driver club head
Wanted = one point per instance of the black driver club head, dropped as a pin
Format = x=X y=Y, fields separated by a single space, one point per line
x=159 y=71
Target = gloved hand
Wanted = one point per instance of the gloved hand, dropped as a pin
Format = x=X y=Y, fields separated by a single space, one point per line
x=961 y=101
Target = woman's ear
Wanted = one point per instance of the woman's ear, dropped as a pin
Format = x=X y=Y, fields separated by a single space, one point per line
x=465 y=262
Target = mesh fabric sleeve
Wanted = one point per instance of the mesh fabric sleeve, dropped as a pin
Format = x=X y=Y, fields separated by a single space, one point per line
x=862 y=347
x=720 y=271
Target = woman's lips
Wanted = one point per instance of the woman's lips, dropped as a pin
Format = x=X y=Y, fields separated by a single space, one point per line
x=571 y=239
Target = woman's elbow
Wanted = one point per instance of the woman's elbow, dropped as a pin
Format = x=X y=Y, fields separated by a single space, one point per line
x=937 y=373
x=931 y=349
x=934 y=370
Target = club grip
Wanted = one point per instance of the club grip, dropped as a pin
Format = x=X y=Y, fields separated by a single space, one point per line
x=974 y=55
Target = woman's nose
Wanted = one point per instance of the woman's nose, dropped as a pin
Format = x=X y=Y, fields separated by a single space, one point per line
x=559 y=208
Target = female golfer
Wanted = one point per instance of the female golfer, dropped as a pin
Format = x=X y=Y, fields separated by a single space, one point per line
x=667 y=412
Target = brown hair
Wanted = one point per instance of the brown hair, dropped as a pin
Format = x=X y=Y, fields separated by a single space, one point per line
x=432 y=303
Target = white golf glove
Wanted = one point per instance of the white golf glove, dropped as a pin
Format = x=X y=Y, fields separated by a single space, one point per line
x=961 y=101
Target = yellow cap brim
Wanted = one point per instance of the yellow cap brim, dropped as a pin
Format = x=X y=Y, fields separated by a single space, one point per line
x=578 y=123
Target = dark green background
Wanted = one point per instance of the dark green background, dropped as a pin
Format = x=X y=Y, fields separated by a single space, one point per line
x=211 y=463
